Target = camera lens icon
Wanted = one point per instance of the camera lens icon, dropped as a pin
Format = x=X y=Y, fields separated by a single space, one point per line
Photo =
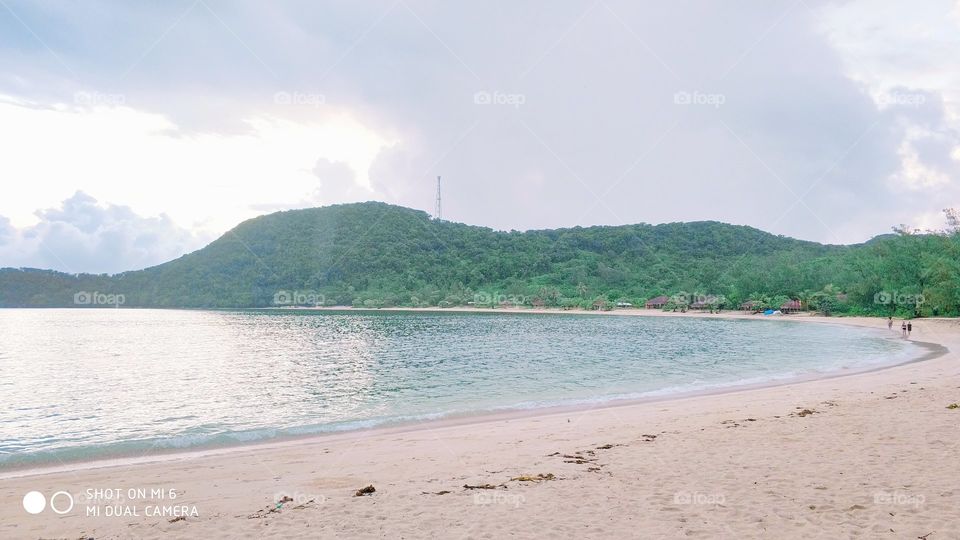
x=35 y=502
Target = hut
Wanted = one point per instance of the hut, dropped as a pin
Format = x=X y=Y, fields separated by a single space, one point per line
x=791 y=306
x=750 y=305
x=601 y=304
x=656 y=303
x=706 y=303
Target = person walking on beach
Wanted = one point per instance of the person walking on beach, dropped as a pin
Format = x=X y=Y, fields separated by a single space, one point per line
x=903 y=328
x=909 y=328
x=889 y=323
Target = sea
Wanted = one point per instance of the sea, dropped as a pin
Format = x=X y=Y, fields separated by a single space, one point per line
x=86 y=384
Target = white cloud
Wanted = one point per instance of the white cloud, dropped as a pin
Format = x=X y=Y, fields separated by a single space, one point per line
x=338 y=183
x=904 y=56
x=916 y=173
x=83 y=236
x=204 y=181
x=839 y=118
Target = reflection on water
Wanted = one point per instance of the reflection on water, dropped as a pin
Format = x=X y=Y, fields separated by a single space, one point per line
x=84 y=383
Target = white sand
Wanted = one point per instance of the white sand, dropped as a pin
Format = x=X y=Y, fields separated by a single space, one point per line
x=880 y=458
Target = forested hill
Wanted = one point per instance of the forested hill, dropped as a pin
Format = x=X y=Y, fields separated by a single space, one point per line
x=376 y=254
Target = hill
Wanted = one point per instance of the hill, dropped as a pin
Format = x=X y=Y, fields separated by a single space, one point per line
x=376 y=254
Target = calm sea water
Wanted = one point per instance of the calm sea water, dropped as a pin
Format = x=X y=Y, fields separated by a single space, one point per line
x=79 y=384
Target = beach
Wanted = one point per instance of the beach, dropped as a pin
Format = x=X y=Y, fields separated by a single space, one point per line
x=870 y=455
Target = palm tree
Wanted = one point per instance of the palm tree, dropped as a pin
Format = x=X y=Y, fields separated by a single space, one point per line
x=582 y=290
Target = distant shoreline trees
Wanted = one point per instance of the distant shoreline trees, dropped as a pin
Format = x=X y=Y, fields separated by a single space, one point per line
x=376 y=255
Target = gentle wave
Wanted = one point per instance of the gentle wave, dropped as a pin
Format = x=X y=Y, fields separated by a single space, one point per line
x=147 y=381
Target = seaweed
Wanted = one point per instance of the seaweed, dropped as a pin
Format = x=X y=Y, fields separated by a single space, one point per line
x=365 y=491
x=483 y=486
x=538 y=478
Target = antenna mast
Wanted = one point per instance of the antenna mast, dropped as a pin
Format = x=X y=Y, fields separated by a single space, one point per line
x=438 y=212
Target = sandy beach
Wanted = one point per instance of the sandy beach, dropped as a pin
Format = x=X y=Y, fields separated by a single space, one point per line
x=869 y=455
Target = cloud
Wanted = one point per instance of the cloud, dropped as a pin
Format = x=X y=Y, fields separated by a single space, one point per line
x=7 y=232
x=205 y=181
x=821 y=120
x=338 y=183
x=781 y=138
x=84 y=236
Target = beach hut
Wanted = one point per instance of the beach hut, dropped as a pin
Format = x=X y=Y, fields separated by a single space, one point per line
x=791 y=306
x=656 y=303
x=750 y=305
x=706 y=302
x=601 y=305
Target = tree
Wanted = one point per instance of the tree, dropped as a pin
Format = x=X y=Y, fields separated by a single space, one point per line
x=581 y=290
x=407 y=259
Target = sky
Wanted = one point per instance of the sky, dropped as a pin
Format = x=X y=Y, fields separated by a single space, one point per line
x=133 y=133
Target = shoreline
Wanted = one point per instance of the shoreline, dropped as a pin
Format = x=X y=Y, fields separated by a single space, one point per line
x=833 y=456
x=933 y=350
x=634 y=311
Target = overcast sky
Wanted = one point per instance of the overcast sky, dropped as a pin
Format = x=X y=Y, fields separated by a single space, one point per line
x=132 y=133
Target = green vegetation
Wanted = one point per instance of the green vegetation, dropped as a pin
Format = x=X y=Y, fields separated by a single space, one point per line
x=376 y=255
